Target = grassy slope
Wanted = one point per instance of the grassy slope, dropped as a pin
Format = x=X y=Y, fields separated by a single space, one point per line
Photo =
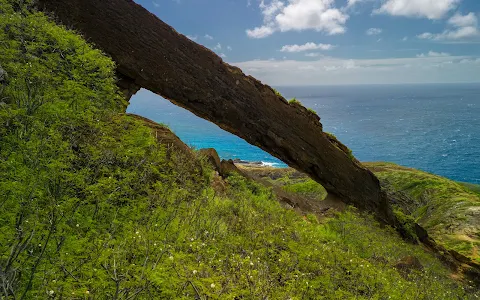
x=449 y=210
x=92 y=207
x=289 y=180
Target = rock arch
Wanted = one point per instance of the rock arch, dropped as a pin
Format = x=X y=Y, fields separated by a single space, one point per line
x=152 y=55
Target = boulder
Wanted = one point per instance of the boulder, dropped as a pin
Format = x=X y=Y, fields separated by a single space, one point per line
x=228 y=167
x=212 y=157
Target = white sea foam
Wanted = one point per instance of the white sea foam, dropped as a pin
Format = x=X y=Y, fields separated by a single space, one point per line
x=269 y=164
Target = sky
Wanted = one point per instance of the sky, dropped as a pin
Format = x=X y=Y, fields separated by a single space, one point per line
x=332 y=42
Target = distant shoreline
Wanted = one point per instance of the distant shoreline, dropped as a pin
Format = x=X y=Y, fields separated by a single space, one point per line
x=257 y=164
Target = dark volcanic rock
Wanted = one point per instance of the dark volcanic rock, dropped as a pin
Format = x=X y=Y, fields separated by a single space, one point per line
x=228 y=167
x=152 y=55
x=127 y=86
x=212 y=157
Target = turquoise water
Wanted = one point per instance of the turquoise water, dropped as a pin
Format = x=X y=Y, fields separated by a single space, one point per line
x=435 y=128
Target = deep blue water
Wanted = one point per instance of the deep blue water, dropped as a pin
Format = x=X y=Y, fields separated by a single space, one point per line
x=435 y=127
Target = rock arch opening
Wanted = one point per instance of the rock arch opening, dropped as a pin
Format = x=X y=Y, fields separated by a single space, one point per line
x=152 y=55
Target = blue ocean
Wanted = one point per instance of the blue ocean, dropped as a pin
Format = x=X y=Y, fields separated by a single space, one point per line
x=435 y=128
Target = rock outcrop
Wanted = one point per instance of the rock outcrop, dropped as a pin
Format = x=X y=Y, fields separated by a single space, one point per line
x=166 y=137
x=212 y=157
x=152 y=55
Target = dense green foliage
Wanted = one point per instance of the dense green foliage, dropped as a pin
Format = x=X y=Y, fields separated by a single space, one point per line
x=449 y=210
x=92 y=207
x=306 y=187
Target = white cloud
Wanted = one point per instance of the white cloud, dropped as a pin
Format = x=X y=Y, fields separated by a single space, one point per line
x=458 y=20
x=192 y=37
x=260 y=32
x=431 y=9
x=433 y=54
x=431 y=67
x=374 y=31
x=405 y=38
x=426 y=36
x=461 y=28
x=218 y=46
x=351 y=3
x=306 y=47
x=222 y=55
x=229 y=48
x=156 y=4
x=208 y=37
x=299 y=15
x=313 y=54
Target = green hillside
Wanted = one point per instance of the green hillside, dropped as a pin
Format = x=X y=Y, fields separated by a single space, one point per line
x=92 y=206
x=449 y=210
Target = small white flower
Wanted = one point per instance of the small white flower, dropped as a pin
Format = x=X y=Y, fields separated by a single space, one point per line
x=77 y=225
x=251 y=263
x=87 y=292
x=171 y=257
x=212 y=285
x=154 y=244
x=51 y=292
x=194 y=272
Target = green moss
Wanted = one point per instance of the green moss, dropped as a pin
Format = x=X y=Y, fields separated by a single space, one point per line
x=444 y=207
x=93 y=207
x=472 y=187
x=277 y=92
x=407 y=224
x=305 y=187
x=295 y=101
